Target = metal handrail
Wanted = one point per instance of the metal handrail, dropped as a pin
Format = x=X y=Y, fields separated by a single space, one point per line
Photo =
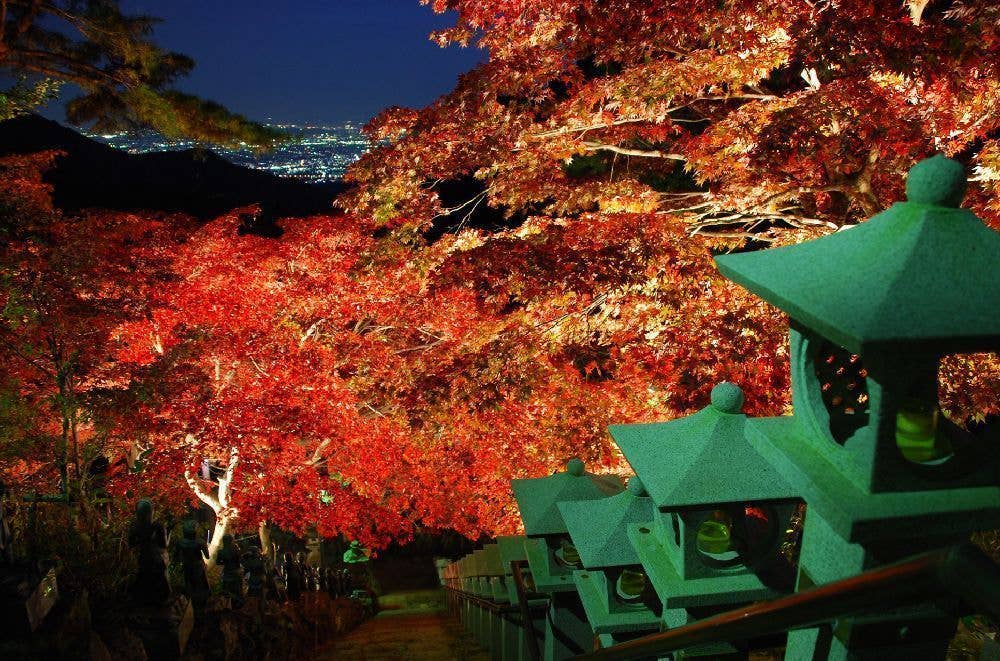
x=485 y=604
x=962 y=572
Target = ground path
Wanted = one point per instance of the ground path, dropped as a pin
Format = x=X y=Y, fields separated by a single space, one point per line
x=412 y=626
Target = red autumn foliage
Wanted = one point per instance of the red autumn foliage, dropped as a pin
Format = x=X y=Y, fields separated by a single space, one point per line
x=368 y=375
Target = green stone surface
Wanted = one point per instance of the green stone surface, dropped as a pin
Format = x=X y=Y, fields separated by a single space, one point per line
x=511 y=548
x=727 y=587
x=567 y=631
x=477 y=563
x=937 y=180
x=860 y=516
x=918 y=274
x=491 y=564
x=548 y=575
x=702 y=459
x=604 y=613
x=538 y=498
x=597 y=527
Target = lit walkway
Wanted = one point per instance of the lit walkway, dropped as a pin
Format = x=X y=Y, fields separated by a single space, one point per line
x=413 y=626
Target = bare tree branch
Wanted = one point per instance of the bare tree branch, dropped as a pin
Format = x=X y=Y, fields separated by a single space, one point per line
x=642 y=153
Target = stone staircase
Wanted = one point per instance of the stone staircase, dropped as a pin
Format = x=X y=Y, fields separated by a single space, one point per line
x=412 y=626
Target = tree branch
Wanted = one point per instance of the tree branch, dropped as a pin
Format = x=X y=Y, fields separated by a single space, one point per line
x=642 y=153
x=227 y=478
x=638 y=120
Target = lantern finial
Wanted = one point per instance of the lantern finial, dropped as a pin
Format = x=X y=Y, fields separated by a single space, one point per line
x=575 y=467
x=937 y=180
x=727 y=397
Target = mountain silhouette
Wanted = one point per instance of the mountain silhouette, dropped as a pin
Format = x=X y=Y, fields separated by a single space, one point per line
x=193 y=181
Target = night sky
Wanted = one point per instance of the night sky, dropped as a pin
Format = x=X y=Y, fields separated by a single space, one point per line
x=309 y=61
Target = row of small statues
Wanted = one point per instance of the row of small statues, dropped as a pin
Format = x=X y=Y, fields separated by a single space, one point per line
x=263 y=579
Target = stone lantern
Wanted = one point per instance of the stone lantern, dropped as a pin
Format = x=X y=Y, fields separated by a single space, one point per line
x=722 y=511
x=551 y=554
x=480 y=618
x=511 y=549
x=469 y=572
x=493 y=627
x=873 y=309
x=616 y=595
x=493 y=571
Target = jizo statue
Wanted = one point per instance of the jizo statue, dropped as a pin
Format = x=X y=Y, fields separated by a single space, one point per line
x=149 y=538
x=228 y=556
x=194 y=552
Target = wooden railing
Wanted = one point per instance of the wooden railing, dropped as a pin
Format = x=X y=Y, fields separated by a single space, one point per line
x=962 y=574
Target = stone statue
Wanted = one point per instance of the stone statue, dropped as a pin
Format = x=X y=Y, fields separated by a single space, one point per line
x=228 y=556
x=306 y=571
x=293 y=577
x=6 y=538
x=149 y=538
x=194 y=552
x=355 y=554
x=253 y=563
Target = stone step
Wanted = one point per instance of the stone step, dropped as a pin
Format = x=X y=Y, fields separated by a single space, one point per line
x=407 y=633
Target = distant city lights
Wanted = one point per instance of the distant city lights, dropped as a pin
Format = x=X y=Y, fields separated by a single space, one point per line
x=322 y=154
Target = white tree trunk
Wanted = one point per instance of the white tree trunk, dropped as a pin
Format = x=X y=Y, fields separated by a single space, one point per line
x=221 y=526
x=219 y=503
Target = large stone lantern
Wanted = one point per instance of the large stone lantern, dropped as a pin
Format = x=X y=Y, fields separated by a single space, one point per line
x=886 y=474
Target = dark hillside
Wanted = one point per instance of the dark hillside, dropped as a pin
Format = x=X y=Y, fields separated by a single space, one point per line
x=191 y=181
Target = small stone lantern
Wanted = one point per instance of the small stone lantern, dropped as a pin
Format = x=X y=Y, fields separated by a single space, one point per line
x=491 y=628
x=617 y=597
x=873 y=309
x=551 y=554
x=722 y=510
x=511 y=549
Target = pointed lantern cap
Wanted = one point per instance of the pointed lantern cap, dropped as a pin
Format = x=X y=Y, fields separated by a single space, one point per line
x=598 y=528
x=537 y=497
x=921 y=274
x=702 y=459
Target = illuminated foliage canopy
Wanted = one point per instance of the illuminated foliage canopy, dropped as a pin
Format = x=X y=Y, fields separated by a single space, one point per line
x=522 y=263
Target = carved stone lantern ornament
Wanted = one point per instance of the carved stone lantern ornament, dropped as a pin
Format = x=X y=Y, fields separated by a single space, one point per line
x=721 y=512
x=552 y=557
x=617 y=597
x=873 y=310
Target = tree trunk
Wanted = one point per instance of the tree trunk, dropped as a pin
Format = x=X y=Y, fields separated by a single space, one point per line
x=221 y=527
x=219 y=502
x=264 y=532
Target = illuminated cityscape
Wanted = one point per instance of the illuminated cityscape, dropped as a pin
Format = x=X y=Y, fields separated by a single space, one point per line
x=319 y=154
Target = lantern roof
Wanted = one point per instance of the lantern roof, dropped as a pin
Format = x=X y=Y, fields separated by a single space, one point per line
x=703 y=459
x=511 y=548
x=922 y=274
x=476 y=563
x=537 y=498
x=490 y=561
x=599 y=528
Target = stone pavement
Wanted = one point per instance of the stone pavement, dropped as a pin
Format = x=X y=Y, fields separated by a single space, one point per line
x=412 y=626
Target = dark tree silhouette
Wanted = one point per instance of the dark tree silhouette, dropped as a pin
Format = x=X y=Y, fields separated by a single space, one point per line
x=126 y=79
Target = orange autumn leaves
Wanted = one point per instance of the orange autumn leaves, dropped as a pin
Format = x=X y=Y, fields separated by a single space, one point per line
x=394 y=367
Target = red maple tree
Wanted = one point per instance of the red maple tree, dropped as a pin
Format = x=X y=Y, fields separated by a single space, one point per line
x=525 y=261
